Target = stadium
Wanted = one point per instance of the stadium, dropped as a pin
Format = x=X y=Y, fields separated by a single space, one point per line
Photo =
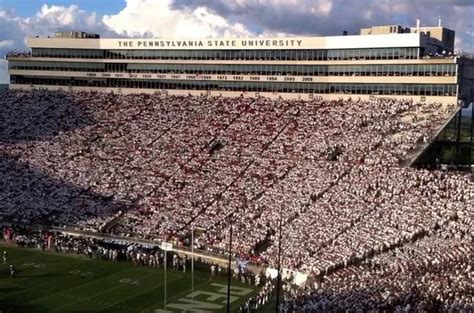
x=383 y=61
x=325 y=174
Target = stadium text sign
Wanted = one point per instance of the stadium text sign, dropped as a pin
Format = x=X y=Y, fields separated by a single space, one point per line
x=211 y=43
x=206 y=301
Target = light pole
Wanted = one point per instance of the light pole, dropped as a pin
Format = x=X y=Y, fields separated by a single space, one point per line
x=279 y=264
x=166 y=247
x=229 y=274
x=164 y=301
x=192 y=264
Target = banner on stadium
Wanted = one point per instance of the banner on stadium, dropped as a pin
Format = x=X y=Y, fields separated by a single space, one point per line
x=297 y=277
x=272 y=273
x=300 y=279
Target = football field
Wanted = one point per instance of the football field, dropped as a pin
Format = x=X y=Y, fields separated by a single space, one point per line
x=53 y=282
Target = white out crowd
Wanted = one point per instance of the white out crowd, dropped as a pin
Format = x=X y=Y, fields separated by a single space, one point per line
x=367 y=229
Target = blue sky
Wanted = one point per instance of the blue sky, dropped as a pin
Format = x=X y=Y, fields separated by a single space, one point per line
x=25 y=8
x=223 y=18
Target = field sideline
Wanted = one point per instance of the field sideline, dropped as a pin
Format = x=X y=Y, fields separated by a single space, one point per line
x=54 y=282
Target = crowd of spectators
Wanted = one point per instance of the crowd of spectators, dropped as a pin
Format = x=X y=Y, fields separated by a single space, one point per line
x=157 y=167
x=432 y=274
x=18 y=54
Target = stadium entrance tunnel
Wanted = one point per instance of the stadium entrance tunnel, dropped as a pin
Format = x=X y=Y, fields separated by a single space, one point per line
x=454 y=145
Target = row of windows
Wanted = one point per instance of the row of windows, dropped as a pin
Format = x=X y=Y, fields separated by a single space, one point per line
x=307 y=55
x=376 y=89
x=56 y=66
x=243 y=69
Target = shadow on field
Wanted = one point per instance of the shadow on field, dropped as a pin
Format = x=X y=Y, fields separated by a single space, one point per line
x=7 y=307
x=44 y=199
x=38 y=276
x=4 y=290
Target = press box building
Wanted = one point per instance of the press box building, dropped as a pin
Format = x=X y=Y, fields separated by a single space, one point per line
x=383 y=61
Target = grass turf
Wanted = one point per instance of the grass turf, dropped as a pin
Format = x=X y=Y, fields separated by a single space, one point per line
x=56 y=282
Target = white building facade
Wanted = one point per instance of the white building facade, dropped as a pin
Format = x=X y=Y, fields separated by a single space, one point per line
x=360 y=66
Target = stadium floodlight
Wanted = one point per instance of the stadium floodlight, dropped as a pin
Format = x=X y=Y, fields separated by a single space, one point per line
x=192 y=265
x=279 y=263
x=230 y=263
x=165 y=246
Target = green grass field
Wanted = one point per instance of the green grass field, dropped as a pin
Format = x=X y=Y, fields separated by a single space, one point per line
x=52 y=282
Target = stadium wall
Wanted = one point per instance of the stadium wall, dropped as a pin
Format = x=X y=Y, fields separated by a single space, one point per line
x=452 y=100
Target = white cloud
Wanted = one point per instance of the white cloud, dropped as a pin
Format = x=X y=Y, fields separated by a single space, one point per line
x=160 y=19
x=332 y=17
x=56 y=18
x=45 y=22
x=57 y=14
x=48 y=19
x=6 y=43
x=316 y=7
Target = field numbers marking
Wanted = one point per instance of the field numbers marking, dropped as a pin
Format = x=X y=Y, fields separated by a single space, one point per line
x=34 y=265
x=129 y=281
x=81 y=273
